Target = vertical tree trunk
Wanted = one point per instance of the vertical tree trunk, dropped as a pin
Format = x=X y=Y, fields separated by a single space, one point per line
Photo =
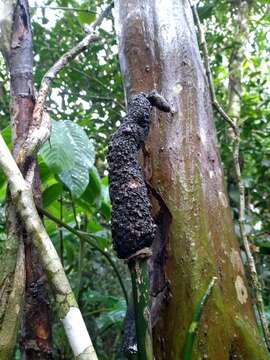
x=35 y=331
x=158 y=49
x=12 y=270
x=242 y=9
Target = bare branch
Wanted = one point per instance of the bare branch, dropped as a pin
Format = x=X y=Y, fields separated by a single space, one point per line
x=39 y=130
x=64 y=9
x=203 y=45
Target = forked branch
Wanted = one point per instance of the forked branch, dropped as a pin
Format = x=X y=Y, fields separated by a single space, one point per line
x=69 y=312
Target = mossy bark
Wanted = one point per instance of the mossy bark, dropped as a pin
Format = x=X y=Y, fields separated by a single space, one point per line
x=158 y=49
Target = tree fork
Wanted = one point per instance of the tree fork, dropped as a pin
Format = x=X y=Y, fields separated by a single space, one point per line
x=35 y=339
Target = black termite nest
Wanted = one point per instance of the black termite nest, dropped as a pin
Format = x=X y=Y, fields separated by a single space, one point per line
x=133 y=228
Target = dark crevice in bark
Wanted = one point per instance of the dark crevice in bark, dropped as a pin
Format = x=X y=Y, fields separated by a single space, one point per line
x=160 y=287
x=129 y=343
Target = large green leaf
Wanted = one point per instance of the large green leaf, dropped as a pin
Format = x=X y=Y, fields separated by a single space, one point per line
x=58 y=152
x=86 y=16
x=70 y=155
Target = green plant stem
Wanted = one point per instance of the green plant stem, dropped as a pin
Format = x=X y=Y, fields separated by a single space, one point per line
x=61 y=232
x=89 y=238
x=189 y=342
x=140 y=288
x=74 y=211
x=80 y=267
x=81 y=249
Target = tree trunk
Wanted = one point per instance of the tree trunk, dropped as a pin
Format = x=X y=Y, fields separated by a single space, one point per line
x=242 y=10
x=158 y=49
x=35 y=331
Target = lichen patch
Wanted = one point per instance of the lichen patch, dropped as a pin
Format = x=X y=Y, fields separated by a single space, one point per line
x=241 y=290
x=223 y=199
x=236 y=261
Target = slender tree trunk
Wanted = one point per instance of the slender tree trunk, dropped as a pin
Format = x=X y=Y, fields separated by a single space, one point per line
x=12 y=270
x=158 y=49
x=242 y=10
x=35 y=331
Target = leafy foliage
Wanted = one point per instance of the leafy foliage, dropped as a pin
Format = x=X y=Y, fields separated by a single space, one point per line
x=69 y=154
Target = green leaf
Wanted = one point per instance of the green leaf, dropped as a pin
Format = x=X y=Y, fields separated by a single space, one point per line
x=6 y=133
x=113 y=317
x=86 y=17
x=105 y=210
x=51 y=194
x=93 y=190
x=45 y=173
x=70 y=155
x=77 y=178
x=57 y=153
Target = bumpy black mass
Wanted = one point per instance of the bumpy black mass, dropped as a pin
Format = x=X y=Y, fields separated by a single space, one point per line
x=132 y=225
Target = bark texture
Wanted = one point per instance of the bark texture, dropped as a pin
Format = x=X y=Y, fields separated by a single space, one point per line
x=35 y=331
x=12 y=271
x=158 y=49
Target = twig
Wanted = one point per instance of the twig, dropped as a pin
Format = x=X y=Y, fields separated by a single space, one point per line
x=74 y=211
x=39 y=130
x=236 y=159
x=69 y=312
x=90 y=239
x=100 y=83
x=64 y=9
x=61 y=232
x=81 y=248
x=202 y=43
